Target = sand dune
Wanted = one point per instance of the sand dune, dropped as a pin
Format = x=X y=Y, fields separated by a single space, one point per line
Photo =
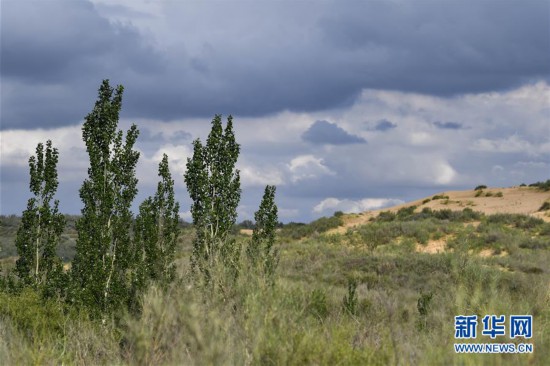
x=520 y=200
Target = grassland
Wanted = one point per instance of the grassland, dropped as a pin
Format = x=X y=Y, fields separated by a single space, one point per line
x=402 y=311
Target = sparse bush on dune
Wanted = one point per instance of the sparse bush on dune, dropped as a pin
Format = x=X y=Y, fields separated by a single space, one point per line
x=545 y=206
x=545 y=186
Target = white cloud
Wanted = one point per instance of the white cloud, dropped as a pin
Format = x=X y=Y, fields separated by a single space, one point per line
x=255 y=177
x=287 y=213
x=511 y=144
x=444 y=173
x=307 y=167
x=186 y=216
x=332 y=204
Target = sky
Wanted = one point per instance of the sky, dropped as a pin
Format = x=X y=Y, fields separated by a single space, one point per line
x=343 y=105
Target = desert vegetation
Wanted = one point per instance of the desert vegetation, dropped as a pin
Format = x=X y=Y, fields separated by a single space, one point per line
x=114 y=288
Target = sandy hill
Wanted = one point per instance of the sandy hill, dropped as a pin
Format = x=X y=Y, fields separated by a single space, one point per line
x=520 y=200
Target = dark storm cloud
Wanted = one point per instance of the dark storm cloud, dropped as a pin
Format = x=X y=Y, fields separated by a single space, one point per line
x=54 y=56
x=307 y=57
x=323 y=132
x=383 y=125
x=448 y=125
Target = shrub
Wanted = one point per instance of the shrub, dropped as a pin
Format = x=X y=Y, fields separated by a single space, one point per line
x=423 y=306
x=426 y=201
x=545 y=186
x=36 y=318
x=350 y=301
x=545 y=206
x=318 y=304
x=405 y=212
x=478 y=193
x=499 y=194
x=386 y=216
x=480 y=187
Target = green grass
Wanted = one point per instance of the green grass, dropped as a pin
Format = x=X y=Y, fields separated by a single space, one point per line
x=400 y=312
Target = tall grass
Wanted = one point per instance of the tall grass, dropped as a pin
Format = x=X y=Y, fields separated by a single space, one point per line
x=363 y=298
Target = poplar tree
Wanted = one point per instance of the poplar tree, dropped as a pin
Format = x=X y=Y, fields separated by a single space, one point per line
x=104 y=245
x=42 y=224
x=157 y=233
x=214 y=186
x=260 y=250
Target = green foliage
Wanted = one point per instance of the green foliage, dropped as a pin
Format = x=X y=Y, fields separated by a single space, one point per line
x=440 y=197
x=545 y=186
x=41 y=225
x=246 y=224
x=317 y=305
x=104 y=248
x=213 y=184
x=34 y=317
x=423 y=306
x=408 y=214
x=286 y=323
x=480 y=187
x=545 y=206
x=350 y=301
x=405 y=212
x=260 y=250
x=296 y=230
x=156 y=234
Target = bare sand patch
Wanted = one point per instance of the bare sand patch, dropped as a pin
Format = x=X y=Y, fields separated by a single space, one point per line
x=485 y=253
x=246 y=232
x=433 y=247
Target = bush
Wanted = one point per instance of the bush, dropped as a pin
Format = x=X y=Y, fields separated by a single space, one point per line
x=423 y=306
x=318 y=304
x=545 y=206
x=36 y=318
x=386 y=216
x=298 y=230
x=480 y=187
x=405 y=212
x=545 y=186
x=350 y=301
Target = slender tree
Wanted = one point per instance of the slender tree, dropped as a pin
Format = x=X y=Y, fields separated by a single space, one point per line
x=42 y=224
x=157 y=232
x=260 y=250
x=104 y=245
x=214 y=186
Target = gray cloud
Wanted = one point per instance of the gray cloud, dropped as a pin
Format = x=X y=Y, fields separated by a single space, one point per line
x=323 y=132
x=383 y=125
x=448 y=125
x=391 y=63
x=303 y=59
